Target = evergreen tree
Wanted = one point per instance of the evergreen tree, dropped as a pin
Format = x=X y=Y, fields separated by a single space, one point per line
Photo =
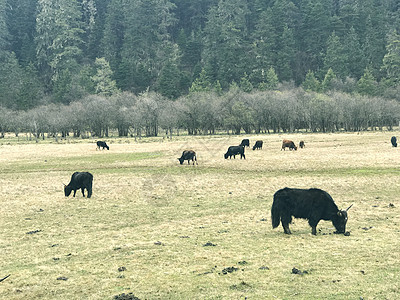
x=271 y=81
x=4 y=34
x=327 y=83
x=10 y=80
x=21 y=25
x=89 y=13
x=226 y=36
x=58 y=41
x=391 y=60
x=96 y=15
x=356 y=60
x=147 y=43
x=114 y=31
x=169 y=81
x=315 y=31
x=104 y=84
x=245 y=84
x=375 y=40
x=349 y=12
x=286 y=55
x=367 y=84
x=311 y=83
x=31 y=91
x=335 y=57
x=201 y=84
x=264 y=46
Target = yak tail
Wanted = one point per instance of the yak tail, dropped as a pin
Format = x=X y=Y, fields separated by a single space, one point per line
x=275 y=213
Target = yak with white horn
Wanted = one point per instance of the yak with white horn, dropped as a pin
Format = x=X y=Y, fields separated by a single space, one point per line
x=311 y=204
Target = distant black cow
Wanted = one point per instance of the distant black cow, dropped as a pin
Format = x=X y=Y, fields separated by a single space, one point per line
x=80 y=180
x=102 y=144
x=312 y=204
x=245 y=142
x=394 y=141
x=302 y=145
x=258 y=145
x=188 y=155
x=235 y=150
x=288 y=144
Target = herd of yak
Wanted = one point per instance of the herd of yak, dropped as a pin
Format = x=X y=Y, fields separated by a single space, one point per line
x=311 y=204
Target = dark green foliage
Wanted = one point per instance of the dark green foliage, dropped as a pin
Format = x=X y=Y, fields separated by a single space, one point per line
x=311 y=83
x=49 y=47
x=169 y=81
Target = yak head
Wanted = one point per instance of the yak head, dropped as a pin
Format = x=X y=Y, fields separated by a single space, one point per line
x=67 y=190
x=340 y=220
x=181 y=159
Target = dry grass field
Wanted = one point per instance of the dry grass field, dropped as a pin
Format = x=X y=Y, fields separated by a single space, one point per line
x=160 y=230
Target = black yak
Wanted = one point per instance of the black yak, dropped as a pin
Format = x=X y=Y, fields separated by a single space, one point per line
x=258 y=145
x=288 y=144
x=80 y=180
x=302 y=145
x=235 y=150
x=245 y=142
x=393 y=140
x=311 y=204
x=188 y=155
x=102 y=144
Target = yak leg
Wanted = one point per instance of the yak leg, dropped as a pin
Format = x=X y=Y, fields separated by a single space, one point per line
x=74 y=193
x=286 y=219
x=188 y=161
x=83 y=191
x=313 y=225
x=286 y=228
x=89 y=188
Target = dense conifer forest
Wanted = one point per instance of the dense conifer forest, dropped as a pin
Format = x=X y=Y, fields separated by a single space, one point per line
x=238 y=65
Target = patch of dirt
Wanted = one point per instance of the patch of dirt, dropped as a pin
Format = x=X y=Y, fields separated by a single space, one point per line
x=33 y=231
x=209 y=244
x=299 y=272
x=241 y=286
x=124 y=296
x=229 y=270
x=62 y=278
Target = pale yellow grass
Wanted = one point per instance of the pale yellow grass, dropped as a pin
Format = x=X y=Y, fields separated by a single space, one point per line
x=154 y=216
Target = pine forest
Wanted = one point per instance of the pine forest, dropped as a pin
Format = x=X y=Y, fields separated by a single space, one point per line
x=140 y=66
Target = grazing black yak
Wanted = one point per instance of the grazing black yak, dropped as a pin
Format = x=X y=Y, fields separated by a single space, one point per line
x=188 y=155
x=288 y=144
x=235 y=150
x=245 y=142
x=80 y=180
x=393 y=140
x=102 y=144
x=311 y=204
x=258 y=145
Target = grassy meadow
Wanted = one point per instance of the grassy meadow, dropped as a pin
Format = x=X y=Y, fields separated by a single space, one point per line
x=160 y=230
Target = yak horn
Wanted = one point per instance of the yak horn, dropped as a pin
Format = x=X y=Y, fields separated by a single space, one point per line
x=2 y=279
x=349 y=207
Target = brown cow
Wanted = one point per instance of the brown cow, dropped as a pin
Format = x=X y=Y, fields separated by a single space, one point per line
x=289 y=144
